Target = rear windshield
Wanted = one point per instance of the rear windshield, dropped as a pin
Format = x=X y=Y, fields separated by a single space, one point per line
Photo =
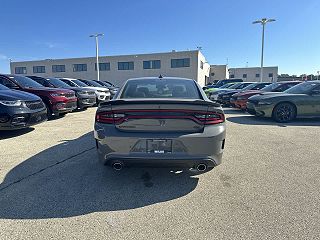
x=161 y=88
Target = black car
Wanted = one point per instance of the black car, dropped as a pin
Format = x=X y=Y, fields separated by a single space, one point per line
x=86 y=97
x=225 y=81
x=20 y=109
x=224 y=98
x=113 y=89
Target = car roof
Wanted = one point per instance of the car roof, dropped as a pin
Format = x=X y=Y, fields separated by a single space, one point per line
x=289 y=82
x=314 y=81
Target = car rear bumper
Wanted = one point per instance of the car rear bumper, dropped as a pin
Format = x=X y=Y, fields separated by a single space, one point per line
x=160 y=161
x=188 y=151
x=22 y=120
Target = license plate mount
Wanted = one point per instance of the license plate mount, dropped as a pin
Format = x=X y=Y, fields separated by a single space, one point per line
x=159 y=146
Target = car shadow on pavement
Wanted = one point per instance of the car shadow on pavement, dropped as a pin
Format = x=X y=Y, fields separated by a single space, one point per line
x=253 y=120
x=5 y=134
x=67 y=180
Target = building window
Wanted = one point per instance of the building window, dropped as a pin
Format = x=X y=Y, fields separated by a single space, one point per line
x=257 y=75
x=39 y=69
x=244 y=75
x=58 y=68
x=232 y=76
x=153 y=64
x=183 y=62
x=125 y=65
x=103 y=67
x=79 y=67
x=20 y=70
x=270 y=75
x=201 y=64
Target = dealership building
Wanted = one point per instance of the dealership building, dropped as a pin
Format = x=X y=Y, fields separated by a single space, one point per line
x=117 y=69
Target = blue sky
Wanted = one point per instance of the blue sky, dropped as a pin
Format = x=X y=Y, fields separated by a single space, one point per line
x=35 y=29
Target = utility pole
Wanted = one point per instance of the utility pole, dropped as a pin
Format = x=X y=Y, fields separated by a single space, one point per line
x=96 y=36
x=263 y=22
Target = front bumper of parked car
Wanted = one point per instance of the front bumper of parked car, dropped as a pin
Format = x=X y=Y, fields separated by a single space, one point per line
x=18 y=118
x=257 y=109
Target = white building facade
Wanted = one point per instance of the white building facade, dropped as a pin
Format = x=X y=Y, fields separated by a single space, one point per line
x=252 y=74
x=117 y=69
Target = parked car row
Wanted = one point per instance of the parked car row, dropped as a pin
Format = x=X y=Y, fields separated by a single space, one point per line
x=282 y=101
x=26 y=101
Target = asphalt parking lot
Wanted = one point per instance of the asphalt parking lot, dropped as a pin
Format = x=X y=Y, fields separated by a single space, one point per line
x=52 y=187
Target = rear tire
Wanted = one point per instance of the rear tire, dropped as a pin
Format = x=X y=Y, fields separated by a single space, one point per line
x=284 y=112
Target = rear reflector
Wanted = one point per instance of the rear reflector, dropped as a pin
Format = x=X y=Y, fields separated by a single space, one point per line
x=118 y=117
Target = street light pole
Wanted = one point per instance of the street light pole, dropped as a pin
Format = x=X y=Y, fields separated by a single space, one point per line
x=263 y=22
x=96 y=36
x=318 y=75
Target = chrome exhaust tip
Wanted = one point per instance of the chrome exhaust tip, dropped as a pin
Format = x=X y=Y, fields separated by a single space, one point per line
x=201 y=167
x=117 y=166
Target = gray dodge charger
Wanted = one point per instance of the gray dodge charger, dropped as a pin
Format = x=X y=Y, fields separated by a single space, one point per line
x=164 y=121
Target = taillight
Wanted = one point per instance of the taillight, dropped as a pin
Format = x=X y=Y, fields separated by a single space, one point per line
x=109 y=117
x=210 y=118
x=116 y=117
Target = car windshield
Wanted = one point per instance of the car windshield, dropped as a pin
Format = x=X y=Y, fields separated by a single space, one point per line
x=105 y=84
x=302 y=88
x=58 y=83
x=79 y=83
x=271 y=87
x=92 y=83
x=161 y=88
x=227 y=85
x=250 y=86
x=26 y=82
x=3 y=87
x=243 y=85
x=234 y=86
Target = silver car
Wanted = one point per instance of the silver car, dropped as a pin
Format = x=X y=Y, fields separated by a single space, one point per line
x=166 y=122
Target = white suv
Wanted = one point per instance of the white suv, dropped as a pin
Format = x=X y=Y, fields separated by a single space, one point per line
x=102 y=93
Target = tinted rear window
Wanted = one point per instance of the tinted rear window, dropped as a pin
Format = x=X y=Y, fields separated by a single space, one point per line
x=161 y=88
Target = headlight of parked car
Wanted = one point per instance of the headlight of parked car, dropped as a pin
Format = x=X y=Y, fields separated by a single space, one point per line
x=56 y=94
x=17 y=103
x=264 y=103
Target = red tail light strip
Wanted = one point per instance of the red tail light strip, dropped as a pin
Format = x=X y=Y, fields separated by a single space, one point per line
x=210 y=118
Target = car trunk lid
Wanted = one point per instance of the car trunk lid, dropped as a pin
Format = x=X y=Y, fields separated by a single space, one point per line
x=160 y=115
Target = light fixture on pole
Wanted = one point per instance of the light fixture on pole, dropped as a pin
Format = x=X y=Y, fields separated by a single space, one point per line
x=96 y=36
x=263 y=22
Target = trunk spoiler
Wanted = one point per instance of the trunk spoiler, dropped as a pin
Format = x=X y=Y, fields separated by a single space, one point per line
x=156 y=101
